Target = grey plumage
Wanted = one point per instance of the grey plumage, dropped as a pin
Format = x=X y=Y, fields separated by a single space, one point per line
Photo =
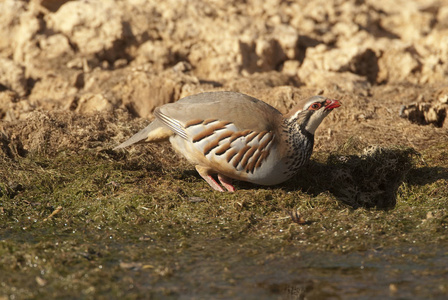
x=237 y=136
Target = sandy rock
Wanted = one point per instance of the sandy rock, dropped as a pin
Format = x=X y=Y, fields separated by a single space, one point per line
x=282 y=98
x=290 y=67
x=55 y=91
x=55 y=46
x=344 y=81
x=442 y=17
x=35 y=48
x=322 y=66
x=396 y=7
x=433 y=50
x=154 y=52
x=98 y=80
x=408 y=26
x=425 y=113
x=95 y=27
x=406 y=20
x=51 y=5
x=397 y=65
x=11 y=10
x=223 y=60
x=275 y=48
x=139 y=89
x=269 y=54
x=257 y=81
x=29 y=43
x=442 y=95
x=288 y=39
x=91 y=103
x=12 y=76
x=320 y=58
x=123 y=51
x=13 y=108
x=26 y=31
x=7 y=98
x=329 y=21
x=142 y=92
x=436 y=43
x=432 y=69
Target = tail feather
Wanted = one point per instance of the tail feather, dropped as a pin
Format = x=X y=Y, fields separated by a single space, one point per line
x=140 y=136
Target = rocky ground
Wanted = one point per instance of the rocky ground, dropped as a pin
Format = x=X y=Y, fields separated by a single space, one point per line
x=387 y=61
x=79 y=77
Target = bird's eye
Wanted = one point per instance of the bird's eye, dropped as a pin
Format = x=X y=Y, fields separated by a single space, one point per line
x=315 y=106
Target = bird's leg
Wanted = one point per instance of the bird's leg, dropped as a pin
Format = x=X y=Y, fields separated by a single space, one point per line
x=226 y=182
x=206 y=174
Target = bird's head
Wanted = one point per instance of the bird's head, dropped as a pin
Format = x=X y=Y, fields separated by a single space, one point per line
x=313 y=112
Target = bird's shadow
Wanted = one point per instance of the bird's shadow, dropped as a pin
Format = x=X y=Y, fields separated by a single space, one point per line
x=371 y=179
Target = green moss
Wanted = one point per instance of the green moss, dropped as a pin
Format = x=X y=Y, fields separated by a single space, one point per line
x=126 y=227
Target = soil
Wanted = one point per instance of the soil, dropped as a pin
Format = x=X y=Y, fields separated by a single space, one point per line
x=367 y=218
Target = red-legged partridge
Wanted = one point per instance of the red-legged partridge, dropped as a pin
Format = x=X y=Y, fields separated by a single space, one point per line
x=235 y=136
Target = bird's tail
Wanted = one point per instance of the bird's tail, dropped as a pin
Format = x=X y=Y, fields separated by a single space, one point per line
x=151 y=133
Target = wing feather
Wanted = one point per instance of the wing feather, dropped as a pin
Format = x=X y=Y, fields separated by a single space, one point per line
x=172 y=124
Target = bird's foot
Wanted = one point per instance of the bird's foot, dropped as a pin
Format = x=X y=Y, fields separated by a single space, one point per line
x=212 y=182
x=226 y=182
x=206 y=174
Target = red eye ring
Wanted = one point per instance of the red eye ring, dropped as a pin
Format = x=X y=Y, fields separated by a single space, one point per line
x=315 y=106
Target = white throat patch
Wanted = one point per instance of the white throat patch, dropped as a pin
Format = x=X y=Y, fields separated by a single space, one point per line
x=315 y=120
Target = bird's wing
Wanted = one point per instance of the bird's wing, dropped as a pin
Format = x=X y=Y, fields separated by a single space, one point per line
x=230 y=127
x=245 y=112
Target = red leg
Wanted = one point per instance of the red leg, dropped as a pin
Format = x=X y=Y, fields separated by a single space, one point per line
x=226 y=182
x=205 y=173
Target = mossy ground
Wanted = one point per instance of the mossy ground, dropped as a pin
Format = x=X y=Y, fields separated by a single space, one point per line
x=367 y=222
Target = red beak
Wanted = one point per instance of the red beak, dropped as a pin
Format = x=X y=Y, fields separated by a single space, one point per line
x=333 y=104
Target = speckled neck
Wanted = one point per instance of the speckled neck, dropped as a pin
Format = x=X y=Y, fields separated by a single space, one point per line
x=299 y=143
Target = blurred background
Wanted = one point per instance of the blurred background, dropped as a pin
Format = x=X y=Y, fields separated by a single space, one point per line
x=88 y=56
